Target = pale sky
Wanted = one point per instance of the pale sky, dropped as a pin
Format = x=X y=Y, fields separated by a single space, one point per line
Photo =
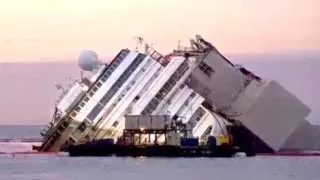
x=42 y=30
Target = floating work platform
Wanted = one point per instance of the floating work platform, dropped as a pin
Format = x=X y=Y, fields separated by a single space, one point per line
x=98 y=149
x=162 y=138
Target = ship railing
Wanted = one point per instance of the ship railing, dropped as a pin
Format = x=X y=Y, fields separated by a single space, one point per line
x=157 y=56
x=55 y=116
x=54 y=121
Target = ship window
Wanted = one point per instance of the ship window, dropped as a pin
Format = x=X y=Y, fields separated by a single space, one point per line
x=111 y=69
x=82 y=104
x=104 y=76
x=108 y=73
x=122 y=56
x=95 y=111
x=201 y=114
x=118 y=60
x=182 y=86
x=116 y=63
x=166 y=86
x=61 y=128
x=78 y=109
x=193 y=94
x=86 y=99
x=95 y=89
x=146 y=111
x=73 y=114
x=153 y=104
x=158 y=96
x=172 y=81
x=205 y=68
x=155 y=101
x=195 y=117
x=98 y=84
x=137 y=98
x=69 y=119
x=162 y=92
x=82 y=127
x=65 y=124
x=175 y=117
x=102 y=79
x=91 y=93
x=115 y=124
x=181 y=70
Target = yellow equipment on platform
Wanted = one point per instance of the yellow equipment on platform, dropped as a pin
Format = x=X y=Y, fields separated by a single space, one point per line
x=224 y=139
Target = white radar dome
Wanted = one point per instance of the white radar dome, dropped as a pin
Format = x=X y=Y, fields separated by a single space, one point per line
x=88 y=60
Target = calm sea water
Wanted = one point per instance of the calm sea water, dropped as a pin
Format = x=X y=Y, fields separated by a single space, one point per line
x=62 y=167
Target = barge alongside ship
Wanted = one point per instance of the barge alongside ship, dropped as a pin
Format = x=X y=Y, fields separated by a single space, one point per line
x=196 y=86
x=92 y=149
x=140 y=140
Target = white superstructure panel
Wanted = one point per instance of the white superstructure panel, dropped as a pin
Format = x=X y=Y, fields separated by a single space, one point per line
x=273 y=114
x=222 y=85
x=188 y=110
x=128 y=101
x=219 y=125
x=106 y=86
x=116 y=108
x=206 y=121
x=174 y=92
x=156 y=85
x=126 y=86
x=71 y=98
x=177 y=102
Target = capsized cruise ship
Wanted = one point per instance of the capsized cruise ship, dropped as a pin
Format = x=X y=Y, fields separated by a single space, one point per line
x=196 y=85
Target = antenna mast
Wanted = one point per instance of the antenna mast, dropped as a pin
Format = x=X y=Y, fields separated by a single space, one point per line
x=139 y=42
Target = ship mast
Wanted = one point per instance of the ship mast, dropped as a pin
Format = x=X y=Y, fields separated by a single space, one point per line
x=140 y=42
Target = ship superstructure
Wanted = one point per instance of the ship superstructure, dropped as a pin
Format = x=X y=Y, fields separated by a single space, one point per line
x=133 y=83
x=267 y=111
x=195 y=85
